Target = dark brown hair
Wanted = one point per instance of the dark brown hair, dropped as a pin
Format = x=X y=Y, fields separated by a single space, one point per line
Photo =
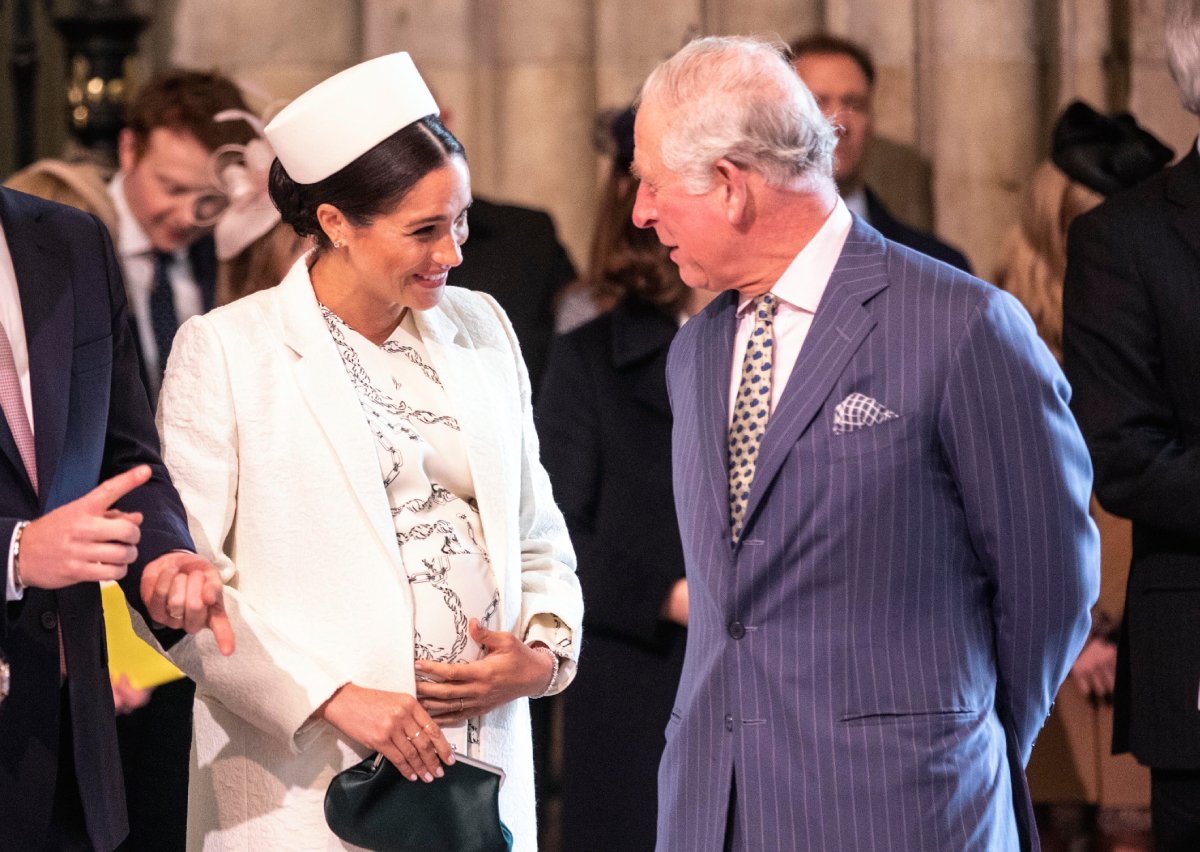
x=824 y=44
x=370 y=186
x=187 y=101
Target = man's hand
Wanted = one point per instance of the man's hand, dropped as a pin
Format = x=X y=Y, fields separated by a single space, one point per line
x=184 y=591
x=675 y=607
x=1095 y=671
x=86 y=540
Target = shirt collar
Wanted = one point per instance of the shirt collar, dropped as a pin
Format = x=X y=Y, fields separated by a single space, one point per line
x=803 y=283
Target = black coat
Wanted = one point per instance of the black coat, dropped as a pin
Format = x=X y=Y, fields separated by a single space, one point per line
x=892 y=228
x=1131 y=348
x=513 y=254
x=605 y=428
x=91 y=421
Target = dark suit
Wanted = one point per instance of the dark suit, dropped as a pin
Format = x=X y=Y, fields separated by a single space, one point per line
x=1131 y=348
x=514 y=255
x=874 y=656
x=92 y=421
x=883 y=221
x=605 y=428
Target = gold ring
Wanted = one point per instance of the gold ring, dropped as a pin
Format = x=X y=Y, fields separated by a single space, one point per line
x=178 y=616
x=460 y=705
x=427 y=726
x=413 y=738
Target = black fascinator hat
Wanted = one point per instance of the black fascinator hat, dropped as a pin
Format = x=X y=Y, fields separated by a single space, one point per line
x=1105 y=153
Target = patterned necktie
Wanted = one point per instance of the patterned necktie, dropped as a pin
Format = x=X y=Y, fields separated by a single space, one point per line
x=163 y=319
x=751 y=409
x=13 y=403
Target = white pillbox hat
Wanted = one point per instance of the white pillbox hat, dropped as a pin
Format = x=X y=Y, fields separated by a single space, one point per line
x=339 y=119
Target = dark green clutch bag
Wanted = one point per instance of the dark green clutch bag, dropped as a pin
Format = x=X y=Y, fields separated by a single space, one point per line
x=372 y=805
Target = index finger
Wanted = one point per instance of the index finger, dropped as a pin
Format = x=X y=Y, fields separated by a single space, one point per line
x=222 y=629
x=111 y=490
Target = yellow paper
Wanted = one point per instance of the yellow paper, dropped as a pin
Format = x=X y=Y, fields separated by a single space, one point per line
x=127 y=654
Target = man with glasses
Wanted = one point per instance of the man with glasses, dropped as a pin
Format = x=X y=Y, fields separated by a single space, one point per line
x=167 y=204
x=841 y=76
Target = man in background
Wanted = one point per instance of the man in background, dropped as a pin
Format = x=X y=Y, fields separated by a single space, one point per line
x=1131 y=348
x=841 y=76
x=167 y=204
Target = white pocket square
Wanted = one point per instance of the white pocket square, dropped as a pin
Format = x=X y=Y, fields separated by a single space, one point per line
x=858 y=411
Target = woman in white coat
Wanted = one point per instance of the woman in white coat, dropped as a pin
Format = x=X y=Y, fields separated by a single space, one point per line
x=356 y=453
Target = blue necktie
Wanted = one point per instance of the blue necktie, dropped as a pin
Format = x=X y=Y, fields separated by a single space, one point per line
x=163 y=319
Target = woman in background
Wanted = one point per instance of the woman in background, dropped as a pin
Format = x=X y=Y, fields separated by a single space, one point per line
x=1082 y=792
x=605 y=424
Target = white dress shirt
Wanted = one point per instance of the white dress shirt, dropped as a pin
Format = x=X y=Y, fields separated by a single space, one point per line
x=799 y=290
x=137 y=267
x=13 y=319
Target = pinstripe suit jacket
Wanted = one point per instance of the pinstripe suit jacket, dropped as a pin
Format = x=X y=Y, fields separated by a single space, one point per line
x=876 y=655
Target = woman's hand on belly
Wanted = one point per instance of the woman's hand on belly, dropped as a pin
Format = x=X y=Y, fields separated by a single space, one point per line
x=509 y=670
x=392 y=723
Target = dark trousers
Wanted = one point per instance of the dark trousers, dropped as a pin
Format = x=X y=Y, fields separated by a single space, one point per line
x=68 y=828
x=1175 y=809
x=156 y=742
x=735 y=840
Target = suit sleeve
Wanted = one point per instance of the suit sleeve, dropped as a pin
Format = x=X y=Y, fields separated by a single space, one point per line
x=273 y=681
x=132 y=440
x=1111 y=353
x=548 y=582
x=1025 y=479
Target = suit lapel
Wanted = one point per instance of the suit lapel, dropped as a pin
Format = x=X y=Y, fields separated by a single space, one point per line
x=717 y=328
x=1183 y=189
x=839 y=327
x=471 y=386
x=48 y=307
x=331 y=398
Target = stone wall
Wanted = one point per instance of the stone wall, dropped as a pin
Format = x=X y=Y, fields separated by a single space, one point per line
x=966 y=95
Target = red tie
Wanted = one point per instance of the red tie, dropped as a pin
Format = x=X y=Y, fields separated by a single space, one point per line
x=13 y=403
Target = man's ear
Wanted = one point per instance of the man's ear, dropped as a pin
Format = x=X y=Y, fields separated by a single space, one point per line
x=127 y=150
x=733 y=190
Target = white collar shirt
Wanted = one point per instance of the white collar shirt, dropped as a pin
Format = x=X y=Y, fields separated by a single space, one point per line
x=137 y=267
x=799 y=290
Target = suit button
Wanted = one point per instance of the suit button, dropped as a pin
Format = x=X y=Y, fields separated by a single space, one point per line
x=729 y=721
x=736 y=629
x=49 y=619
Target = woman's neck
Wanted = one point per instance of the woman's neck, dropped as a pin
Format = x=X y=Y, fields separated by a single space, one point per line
x=335 y=287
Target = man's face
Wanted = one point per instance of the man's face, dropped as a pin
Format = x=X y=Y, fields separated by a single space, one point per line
x=163 y=183
x=844 y=95
x=693 y=227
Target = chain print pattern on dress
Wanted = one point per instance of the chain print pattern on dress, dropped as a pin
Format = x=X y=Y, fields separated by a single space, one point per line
x=412 y=355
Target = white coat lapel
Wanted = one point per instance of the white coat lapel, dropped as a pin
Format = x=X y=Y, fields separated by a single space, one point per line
x=330 y=396
x=473 y=386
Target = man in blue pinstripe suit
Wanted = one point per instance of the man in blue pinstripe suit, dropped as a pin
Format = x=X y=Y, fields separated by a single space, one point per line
x=881 y=493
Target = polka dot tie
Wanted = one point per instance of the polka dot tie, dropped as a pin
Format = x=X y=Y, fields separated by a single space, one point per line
x=751 y=409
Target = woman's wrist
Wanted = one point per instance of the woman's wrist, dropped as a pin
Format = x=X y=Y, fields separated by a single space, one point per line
x=554 y=663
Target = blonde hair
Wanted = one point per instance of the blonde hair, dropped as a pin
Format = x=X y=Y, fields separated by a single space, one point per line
x=1035 y=252
x=80 y=185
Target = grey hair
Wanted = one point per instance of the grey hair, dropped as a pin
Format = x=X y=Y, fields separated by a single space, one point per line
x=738 y=98
x=1183 y=50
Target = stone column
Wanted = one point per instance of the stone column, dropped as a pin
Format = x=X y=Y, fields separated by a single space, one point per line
x=784 y=18
x=274 y=48
x=1153 y=98
x=1084 y=44
x=978 y=96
